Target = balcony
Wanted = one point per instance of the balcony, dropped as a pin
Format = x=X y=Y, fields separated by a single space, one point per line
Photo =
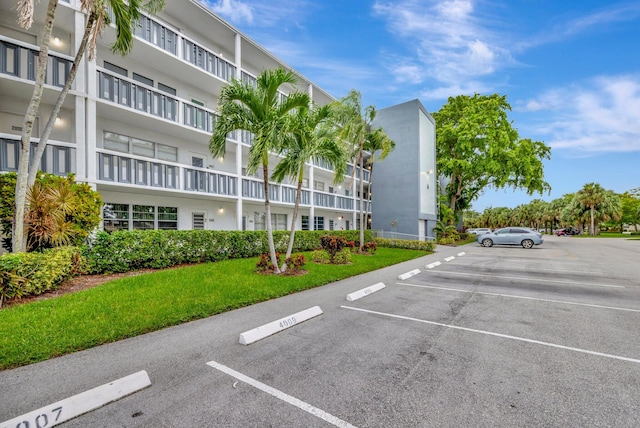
x=154 y=173
x=18 y=65
x=254 y=189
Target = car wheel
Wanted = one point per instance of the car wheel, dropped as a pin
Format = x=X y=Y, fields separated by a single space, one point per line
x=527 y=243
x=487 y=242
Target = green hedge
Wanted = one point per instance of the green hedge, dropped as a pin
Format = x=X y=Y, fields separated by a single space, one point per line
x=406 y=244
x=124 y=251
x=34 y=273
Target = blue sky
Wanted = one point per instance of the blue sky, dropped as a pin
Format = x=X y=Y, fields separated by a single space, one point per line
x=570 y=69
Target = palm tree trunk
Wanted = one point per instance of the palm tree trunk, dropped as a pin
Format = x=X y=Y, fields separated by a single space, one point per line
x=267 y=209
x=19 y=232
x=593 y=227
x=292 y=235
x=42 y=145
x=361 y=202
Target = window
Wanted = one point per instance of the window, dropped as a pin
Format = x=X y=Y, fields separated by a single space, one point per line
x=330 y=224
x=136 y=146
x=305 y=222
x=197 y=161
x=114 y=68
x=126 y=217
x=258 y=221
x=167 y=89
x=139 y=78
x=9 y=58
x=318 y=223
x=144 y=217
x=318 y=185
x=61 y=160
x=116 y=216
x=168 y=218
x=8 y=155
x=279 y=221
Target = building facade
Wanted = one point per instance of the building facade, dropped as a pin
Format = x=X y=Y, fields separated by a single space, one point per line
x=137 y=128
x=404 y=185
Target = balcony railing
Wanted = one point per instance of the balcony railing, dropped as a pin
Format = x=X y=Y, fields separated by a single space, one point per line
x=254 y=189
x=155 y=173
x=367 y=173
x=20 y=60
x=57 y=159
x=135 y=95
x=143 y=98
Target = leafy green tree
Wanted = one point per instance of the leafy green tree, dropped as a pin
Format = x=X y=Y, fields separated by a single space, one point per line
x=260 y=110
x=477 y=147
x=309 y=137
x=126 y=14
x=630 y=209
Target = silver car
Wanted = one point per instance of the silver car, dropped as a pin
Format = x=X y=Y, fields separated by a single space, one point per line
x=510 y=236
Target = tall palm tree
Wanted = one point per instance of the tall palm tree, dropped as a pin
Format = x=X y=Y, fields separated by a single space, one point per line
x=377 y=141
x=126 y=14
x=354 y=124
x=310 y=137
x=589 y=197
x=260 y=110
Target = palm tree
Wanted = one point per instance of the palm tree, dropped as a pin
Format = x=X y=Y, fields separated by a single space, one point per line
x=589 y=197
x=377 y=141
x=310 y=138
x=126 y=14
x=354 y=124
x=260 y=110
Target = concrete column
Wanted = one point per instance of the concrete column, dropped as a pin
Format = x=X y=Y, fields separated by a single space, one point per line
x=239 y=205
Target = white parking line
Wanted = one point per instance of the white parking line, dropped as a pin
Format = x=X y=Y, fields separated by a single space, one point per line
x=504 y=336
x=513 y=296
x=524 y=278
x=282 y=396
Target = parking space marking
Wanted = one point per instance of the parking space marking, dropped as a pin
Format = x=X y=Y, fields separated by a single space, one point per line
x=513 y=296
x=524 y=278
x=282 y=396
x=503 y=336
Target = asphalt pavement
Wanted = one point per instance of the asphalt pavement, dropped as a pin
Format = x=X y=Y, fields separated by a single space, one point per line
x=498 y=336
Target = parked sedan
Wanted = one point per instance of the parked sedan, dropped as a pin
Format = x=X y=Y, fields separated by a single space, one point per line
x=568 y=231
x=510 y=236
x=479 y=231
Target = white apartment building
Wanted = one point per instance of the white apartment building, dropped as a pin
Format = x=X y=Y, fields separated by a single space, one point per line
x=137 y=128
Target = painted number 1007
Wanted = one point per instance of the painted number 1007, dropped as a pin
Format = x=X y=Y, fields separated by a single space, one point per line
x=43 y=420
x=288 y=322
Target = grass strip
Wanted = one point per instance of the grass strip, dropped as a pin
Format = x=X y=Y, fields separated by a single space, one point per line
x=136 y=305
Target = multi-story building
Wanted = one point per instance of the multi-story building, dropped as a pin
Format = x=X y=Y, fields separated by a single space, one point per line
x=137 y=127
x=404 y=185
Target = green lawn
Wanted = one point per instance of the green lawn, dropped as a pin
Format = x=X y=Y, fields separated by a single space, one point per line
x=611 y=235
x=140 y=304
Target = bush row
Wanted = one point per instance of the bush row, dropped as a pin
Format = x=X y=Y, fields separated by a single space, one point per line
x=124 y=251
x=406 y=244
x=34 y=273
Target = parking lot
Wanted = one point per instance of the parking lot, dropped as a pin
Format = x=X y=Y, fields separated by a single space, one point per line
x=496 y=336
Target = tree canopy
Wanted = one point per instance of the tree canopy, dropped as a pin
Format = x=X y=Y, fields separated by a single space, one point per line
x=477 y=147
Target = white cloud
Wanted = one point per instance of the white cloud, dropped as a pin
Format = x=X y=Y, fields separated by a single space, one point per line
x=454 y=46
x=596 y=116
x=234 y=10
x=264 y=14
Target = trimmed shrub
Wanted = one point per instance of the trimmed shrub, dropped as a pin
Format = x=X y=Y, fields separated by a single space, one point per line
x=320 y=256
x=295 y=264
x=264 y=263
x=406 y=244
x=342 y=257
x=34 y=273
x=332 y=245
